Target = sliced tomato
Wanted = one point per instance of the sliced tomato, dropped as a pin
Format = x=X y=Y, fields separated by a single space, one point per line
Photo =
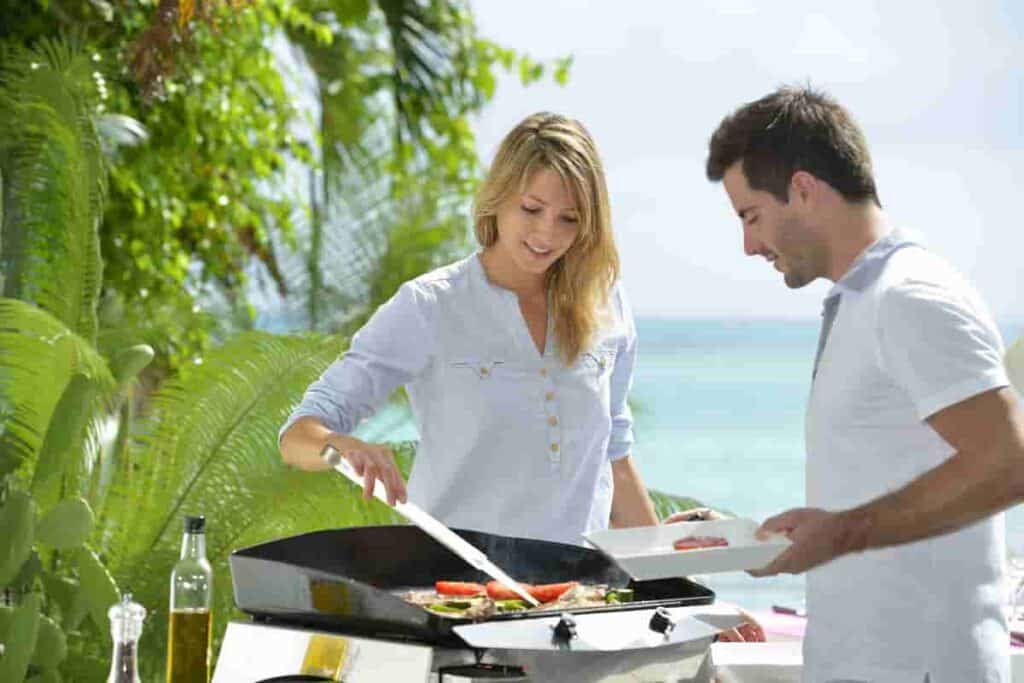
x=551 y=591
x=697 y=542
x=496 y=591
x=462 y=588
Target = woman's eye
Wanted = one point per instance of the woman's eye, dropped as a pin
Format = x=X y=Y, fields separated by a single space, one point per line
x=571 y=219
x=530 y=209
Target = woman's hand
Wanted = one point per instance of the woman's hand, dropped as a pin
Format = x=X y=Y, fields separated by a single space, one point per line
x=750 y=632
x=374 y=463
x=693 y=515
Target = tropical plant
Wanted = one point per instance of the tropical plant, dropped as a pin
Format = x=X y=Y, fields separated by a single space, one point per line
x=381 y=105
x=55 y=389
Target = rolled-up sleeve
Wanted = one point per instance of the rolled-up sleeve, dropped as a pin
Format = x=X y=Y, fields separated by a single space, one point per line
x=394 y=346
x=620 y=442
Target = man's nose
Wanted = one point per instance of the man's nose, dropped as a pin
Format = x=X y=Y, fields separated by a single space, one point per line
x=752 y=245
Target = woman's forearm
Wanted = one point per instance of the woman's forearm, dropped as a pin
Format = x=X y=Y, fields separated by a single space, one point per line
x=631 y=506
x=302 y=444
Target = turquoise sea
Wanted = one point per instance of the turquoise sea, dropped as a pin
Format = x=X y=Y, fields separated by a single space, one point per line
x=718 y=408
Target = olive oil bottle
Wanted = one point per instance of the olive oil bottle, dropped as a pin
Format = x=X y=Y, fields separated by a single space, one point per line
x=190 y=629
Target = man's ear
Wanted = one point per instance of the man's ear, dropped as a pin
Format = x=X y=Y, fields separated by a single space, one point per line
x=803 y=187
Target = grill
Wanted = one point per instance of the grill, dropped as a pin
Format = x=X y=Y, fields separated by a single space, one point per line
x=343 y=586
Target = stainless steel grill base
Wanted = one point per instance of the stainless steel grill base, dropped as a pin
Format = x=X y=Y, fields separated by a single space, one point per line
x=259 y=653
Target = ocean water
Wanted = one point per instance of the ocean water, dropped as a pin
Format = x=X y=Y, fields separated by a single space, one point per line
x=718 y=411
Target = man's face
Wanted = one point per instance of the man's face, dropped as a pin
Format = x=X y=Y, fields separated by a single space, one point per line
x=537 y=227
x=780 y=232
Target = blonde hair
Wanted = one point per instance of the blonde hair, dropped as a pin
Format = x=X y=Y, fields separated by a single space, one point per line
x=579 y=282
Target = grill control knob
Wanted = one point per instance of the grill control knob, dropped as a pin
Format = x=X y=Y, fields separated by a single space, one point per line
x=565 y=629
x=662 y=621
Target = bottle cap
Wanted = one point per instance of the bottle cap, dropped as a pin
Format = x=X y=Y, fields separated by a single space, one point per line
x=126 y=619
x=195 y=524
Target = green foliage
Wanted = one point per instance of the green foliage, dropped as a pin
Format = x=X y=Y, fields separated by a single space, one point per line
x=67 y=525
x=22 y=632
x=195 y=158
x=212 y=451
x=54 y=182
x=667 y=503
x=16 y=524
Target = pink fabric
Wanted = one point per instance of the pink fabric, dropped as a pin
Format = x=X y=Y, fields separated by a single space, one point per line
x=781 y=624
x=793 y=626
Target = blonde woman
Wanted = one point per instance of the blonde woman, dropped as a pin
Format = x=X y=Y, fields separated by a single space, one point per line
x=517 y=361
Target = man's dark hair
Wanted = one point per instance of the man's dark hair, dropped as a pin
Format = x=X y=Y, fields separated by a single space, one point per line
x=794 y=129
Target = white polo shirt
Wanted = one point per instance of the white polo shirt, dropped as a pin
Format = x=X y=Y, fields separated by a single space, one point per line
x=512 y=441
x=911 y=337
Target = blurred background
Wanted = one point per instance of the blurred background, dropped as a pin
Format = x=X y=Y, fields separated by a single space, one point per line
x=202 y=199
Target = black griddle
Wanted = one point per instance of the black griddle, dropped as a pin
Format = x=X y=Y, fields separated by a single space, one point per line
x=349 y=580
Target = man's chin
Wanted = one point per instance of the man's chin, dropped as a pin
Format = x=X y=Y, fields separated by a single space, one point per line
x=796 y=280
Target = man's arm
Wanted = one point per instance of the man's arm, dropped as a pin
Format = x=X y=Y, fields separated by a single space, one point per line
x=984 y=476
x=631 y=506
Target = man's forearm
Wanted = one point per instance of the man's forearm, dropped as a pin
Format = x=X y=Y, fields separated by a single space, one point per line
x=983 y=478
x=631 y=505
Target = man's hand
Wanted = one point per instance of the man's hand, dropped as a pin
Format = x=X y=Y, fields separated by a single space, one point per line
x=817 y=536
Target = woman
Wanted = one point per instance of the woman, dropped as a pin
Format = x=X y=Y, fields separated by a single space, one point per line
x=517 y=360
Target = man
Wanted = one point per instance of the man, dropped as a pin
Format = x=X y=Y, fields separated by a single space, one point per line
x=915 y=442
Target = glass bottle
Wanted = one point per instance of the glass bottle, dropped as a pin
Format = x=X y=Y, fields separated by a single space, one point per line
x=188 y=636
x=126 y=619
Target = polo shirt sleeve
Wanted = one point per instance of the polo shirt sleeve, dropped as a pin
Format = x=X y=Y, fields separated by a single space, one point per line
x=620 y=441
x=390 y=350
x=939 y=345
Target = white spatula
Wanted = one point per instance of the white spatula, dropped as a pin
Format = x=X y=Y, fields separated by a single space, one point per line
x=436 y=529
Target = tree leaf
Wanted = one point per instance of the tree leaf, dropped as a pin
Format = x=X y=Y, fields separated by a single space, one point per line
x=61 y=591
x=21 y=639
x=51 y=644
x=127 y=363
x=64 y=438
x=28 y=572
x=97 y=586
x=67 y=525
x=17 y=521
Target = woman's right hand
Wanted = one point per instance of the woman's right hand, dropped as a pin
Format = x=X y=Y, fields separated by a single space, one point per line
x=374 y=463
x=693 y=515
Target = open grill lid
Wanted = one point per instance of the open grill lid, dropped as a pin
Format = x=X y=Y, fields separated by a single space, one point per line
x=348 y=580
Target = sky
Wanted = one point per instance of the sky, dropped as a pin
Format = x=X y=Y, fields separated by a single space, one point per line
x=938 y=88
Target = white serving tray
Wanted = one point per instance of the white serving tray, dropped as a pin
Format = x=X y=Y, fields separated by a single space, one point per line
x=646 y=553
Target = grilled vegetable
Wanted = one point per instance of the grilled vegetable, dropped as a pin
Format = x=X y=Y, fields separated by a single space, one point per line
x=616 y=596
x=551 y=591
x=496 y=591
x=444 y=608
x=461 y=588
x=511 y=605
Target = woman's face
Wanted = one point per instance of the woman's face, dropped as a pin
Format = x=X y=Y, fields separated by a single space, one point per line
x=537 y=227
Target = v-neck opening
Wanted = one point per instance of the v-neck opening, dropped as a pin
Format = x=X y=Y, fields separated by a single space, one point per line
x=525 y=337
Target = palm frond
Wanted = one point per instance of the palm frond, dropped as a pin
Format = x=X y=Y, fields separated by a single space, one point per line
x=54 y=182
x=38 y=357
x=211 y=431
x=666 y=504
x=212 y=449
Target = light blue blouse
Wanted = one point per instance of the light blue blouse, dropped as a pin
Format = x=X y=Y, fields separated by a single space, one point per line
x=512 y=442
